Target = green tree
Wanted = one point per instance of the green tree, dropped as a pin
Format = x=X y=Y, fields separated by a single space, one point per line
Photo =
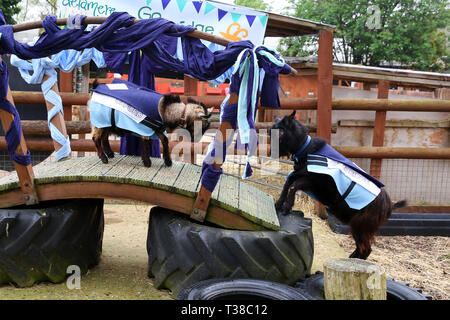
x=377 y=32
x=10 y=8
x=255 y=4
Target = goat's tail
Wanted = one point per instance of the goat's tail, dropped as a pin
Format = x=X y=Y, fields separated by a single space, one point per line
x=399 y=204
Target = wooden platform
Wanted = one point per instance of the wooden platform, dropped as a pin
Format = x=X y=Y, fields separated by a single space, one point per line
x=234 y=204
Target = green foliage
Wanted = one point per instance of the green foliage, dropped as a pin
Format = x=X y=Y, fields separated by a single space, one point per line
x=408 y=32
x=255 y=4
x=10 y=8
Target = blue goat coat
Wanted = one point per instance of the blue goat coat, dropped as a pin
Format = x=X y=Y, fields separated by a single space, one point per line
x=134 y=107
x=356 y=186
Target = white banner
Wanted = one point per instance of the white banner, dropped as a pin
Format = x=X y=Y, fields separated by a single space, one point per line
x=230 y=22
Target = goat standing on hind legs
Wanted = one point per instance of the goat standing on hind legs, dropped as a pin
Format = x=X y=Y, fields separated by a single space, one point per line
x=124 y=107
x=349 y=193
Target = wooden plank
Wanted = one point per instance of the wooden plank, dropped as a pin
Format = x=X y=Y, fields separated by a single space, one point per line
x=9 y=182
x=188 y=181
x=227 y=195
x=166 y=176
x=256 y=209
x=123 y=168
x=141 y=175
x=99 y=170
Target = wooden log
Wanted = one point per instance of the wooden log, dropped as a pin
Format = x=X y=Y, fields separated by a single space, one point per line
x=35 y=97
x=40 y=127
x=353 y=279
x=70 y=98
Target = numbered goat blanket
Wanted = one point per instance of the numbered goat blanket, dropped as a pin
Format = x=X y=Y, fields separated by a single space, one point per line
x=356 y=186
x=127 y=106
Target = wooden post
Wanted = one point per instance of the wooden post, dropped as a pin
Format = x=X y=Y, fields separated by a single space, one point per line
x=65 y=85
x=83 y=108
x=325 y=84
x=353 y=279
x=379 y=128
x=190 y=89
x=25 y=173
x=58 y=120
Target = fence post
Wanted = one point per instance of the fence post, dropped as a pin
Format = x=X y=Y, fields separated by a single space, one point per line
x=353 y=279
x=324 y=95
x=379 y=128
x=65 y=85
x=190 y=89
x=325 y=84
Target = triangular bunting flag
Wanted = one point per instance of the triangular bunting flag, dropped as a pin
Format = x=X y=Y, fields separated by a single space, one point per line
x=197 y=5
x=250 y=19
x=165 y=3
x=149 y=1
x=263 y=20
x=208 y=7
x=235 y=16
x=221 y=13
x=181 y=4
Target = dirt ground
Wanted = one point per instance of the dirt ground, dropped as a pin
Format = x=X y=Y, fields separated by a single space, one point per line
x=424 y=262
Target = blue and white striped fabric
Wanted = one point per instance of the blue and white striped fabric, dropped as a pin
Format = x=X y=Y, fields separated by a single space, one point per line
x=357 y=190
x=66 y=60
x=101 y=118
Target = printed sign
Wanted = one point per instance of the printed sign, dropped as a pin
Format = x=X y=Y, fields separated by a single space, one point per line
x=230 y=22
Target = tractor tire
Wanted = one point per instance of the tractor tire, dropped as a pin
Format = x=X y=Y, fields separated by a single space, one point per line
x=240 y=289
x=313 y=285
x=182 y=252
x=38 y=243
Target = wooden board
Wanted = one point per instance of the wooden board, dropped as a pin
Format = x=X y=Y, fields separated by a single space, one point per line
x=233 y=203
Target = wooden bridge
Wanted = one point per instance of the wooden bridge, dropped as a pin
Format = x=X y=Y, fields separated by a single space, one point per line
x=234 y=204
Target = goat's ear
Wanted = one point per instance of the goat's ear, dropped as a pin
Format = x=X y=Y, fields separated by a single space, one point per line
x=292 y=115
x=210 y=110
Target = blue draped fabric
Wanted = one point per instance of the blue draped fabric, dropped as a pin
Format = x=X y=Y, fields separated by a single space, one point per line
x=116 y=34
x=14 y=133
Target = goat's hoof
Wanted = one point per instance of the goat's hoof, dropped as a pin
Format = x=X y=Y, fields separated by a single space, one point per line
x=286 y=210
x=110 y=155
x=147 y=163
x=279 y=205
x=168 y=162
x=104 y=159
